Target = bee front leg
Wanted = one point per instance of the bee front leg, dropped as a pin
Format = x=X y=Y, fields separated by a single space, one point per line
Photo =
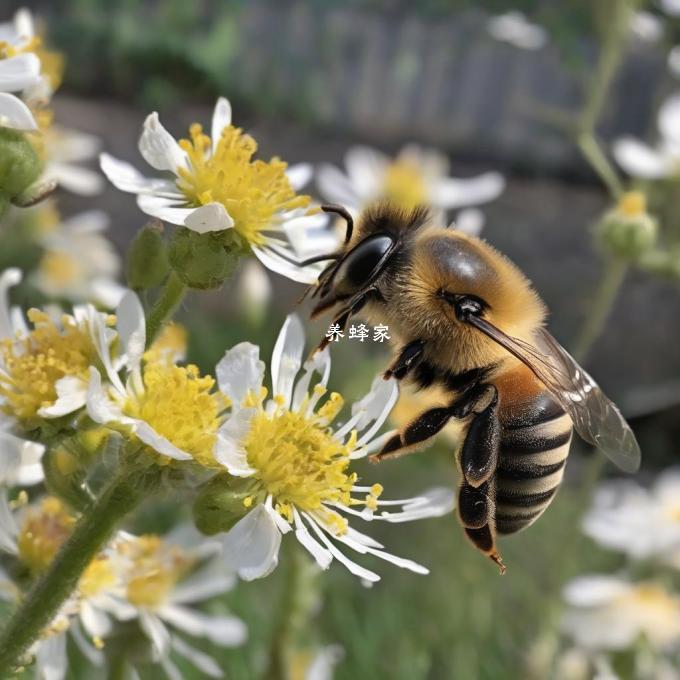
x=408 y=358
x=479 y=455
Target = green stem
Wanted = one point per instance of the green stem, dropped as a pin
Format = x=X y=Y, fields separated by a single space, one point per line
x=171 y=297
x=599 y=162
x=605 y=296
x=117 y=667
x=43 y=601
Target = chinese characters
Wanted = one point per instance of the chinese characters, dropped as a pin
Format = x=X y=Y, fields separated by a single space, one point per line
x=360 y=332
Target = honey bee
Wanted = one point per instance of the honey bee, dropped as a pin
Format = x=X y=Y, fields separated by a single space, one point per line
x=467 y=320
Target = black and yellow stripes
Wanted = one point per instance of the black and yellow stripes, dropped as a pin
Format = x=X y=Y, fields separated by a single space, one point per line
x=530 y=468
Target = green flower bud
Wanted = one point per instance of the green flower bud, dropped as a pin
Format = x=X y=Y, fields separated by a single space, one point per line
x=222 y=502
x=628 y=230
x=203 y=261
x=35 y=193
x=20 y=165
x=147 y=260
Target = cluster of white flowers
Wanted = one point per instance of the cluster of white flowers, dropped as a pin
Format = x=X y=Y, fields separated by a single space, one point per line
x=637 y=611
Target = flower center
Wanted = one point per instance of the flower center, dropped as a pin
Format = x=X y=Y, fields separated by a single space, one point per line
x=180 y=405
x=44 y=529
x=155 y=567
x=60 y=269
x=404 y=184
x=169 y=346
x=31 y=365
x=633 y=204
x=298 y=460
x=253 y=192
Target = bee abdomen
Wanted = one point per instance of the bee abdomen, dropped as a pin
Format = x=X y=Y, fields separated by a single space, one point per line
x=530 y=468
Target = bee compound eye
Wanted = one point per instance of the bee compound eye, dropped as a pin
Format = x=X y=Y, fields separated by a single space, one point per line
x=361 y=264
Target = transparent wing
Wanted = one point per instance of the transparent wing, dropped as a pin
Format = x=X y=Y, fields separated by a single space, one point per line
x=596 y=418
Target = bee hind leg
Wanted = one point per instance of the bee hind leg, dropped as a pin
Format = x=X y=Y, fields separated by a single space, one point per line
x=484 y=540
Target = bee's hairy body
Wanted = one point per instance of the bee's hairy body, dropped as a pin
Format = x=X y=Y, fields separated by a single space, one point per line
x=436 y=288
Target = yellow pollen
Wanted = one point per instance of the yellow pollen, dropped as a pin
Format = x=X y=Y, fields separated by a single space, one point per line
x=155 y=569
x=180 y=405
x=34 y=363
x=632 y=204
x=98 y=642
x=44 y=529
x=170 y=345
x=252 y=192
x=20 y=501
x=298 y=461
x=98 y=576
x=404 y=184
x=59 y=268
x=332 y=407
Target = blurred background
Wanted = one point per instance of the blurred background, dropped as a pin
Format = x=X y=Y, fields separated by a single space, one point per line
x=310 y=79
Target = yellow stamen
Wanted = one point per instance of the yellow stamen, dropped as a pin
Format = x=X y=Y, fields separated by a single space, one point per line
x=252 y=192
x=632 y=204
x=59 y=269
x=180 y=405
x=34 y=363
x=404 y=184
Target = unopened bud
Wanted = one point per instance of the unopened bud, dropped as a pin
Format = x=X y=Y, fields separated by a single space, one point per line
x=147 y=260
x=222 y=502
x=20 y=165
x=202 y=261
x=628 y=230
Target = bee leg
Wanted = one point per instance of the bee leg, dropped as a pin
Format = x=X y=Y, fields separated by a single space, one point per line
x=484 y=540
x=408 y=358
x=479 y=455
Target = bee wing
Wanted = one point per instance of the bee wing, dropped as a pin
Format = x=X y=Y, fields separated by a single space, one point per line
x=595 y=417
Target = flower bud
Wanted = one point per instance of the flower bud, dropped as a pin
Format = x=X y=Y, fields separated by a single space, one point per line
x=222 y=502
x=20 y=165
x=36 y=192
x=203 y=261
x=147 y=259
x=628 y=230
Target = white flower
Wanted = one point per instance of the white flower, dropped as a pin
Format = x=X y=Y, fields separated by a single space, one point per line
x=611 y=613
x=297 y=465
x=623 y=512
x=215 y=186
x=674 y=60
x=646 y=27
x=671 y=7
x=641 y=160
x=44 y=369
x=415 y=176
x=515 y=29
x=19 y=72
x=79 y=264
x=165 y=577
x=65 y=150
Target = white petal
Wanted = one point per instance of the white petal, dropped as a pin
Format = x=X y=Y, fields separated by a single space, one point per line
x=51 y=658
x=75 y=179
x=221 y=119
x=669 y=120
x=99 y=407
x=8 y=279
x=324 y=662
x=280 y=265
x=639 y=159
x=206 y=664
x=299 y=175
x=435 y=502
x=319 y=362
x=126 y=177
x=159 y=148
x=376 y=406
x=19 y=72
x=470 y=221
x=321 y=555
x=251 y=547
x=671 y=7
x=209 y=217
x=20 y=460
x=15 y=114
x=107 y=292
x=336 y=187
x=229 y=449
x=156 y=631
x=646 y=26
x=95 y=621
x=451 y=192
x=226 y=631
x=514 y=28
x=594 y=591
x=366 y=168
x=71 y=395
x=674 y=60
x=164 y=208
x=287 y=357
x=89 y=651
x=206 y=583
x=131 y=329
x=8 y=526
x=158 y=443
x=240 y=371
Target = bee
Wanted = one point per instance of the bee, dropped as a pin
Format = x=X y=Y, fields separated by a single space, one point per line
x=468 y=321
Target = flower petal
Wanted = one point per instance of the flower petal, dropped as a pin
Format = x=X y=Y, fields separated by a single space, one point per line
x=164 y=208
x=209 y=217
x=8 y=279
x=470 y=221
x=669 y=120
x=299 y=175
x=287 y=357
x=20 y=460
x=19 y=72
x=158 y=442
x=156 y=631
x=319 y=362
x=50 y=658
x=451 y=192
x=366 y=168
x=75 y=179
x=99 y=407
x=594 y=591
x=240 y=371
x=435 y=502
x=131 y=326
x=639 y=159
x=251 y=547
x=202 y=661
x=375 y=406
x=126 y=177
x=159 y=148
x=15 y=114
x=71 y=395
x=280 y=265
x=226 y=631
x=229 y=449
x=221 y=119
x=336 y=187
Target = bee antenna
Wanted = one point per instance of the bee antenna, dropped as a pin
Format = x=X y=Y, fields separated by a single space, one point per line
x=345 y=214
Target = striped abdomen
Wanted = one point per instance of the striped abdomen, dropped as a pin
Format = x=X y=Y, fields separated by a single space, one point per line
x=534 y=446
